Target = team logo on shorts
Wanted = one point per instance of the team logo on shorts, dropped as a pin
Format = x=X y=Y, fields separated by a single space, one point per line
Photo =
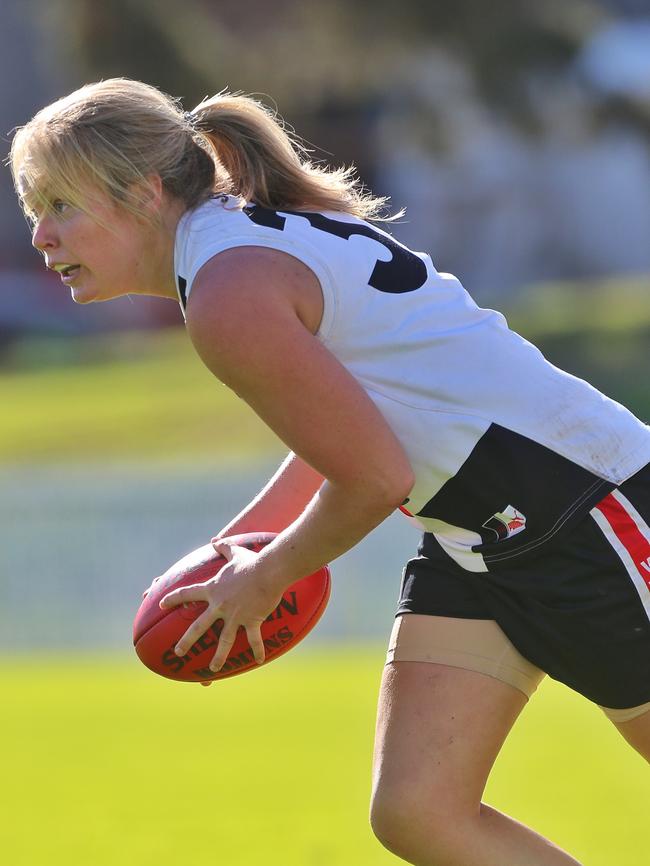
x=506 y=523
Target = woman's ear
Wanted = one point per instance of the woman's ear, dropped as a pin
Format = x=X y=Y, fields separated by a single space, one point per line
x=148 y=194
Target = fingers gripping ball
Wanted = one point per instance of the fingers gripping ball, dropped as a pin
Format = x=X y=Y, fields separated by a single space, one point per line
x=156 y=631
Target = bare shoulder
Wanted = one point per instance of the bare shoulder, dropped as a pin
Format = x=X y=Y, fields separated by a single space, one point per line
x=252 y=315
x=243 y=279
x=246 y=319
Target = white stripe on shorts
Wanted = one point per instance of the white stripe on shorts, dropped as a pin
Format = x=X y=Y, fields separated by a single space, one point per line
x=629 y=535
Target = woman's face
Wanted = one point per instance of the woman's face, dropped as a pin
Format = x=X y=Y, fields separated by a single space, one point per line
x=99 y=256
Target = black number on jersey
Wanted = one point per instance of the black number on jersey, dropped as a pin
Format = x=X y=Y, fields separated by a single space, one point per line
x=405 y=272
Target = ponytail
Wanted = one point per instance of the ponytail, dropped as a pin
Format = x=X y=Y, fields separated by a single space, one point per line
x=115 y=133
x=265 y=164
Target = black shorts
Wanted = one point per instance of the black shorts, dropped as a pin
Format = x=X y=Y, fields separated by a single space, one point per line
x=580 y=610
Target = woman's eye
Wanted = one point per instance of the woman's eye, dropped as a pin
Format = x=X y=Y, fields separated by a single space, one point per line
x=59 y=206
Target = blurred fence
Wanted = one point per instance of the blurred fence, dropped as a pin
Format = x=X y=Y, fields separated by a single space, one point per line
x=78 y=546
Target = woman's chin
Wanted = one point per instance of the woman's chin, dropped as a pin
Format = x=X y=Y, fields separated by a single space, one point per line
x=79 y=296
x=86 y=295
x=88 y=292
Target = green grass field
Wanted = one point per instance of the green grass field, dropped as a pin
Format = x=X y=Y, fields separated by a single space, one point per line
x=121 y=397
x=106 y=764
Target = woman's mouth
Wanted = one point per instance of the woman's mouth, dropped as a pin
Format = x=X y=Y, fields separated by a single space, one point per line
x=67 y=272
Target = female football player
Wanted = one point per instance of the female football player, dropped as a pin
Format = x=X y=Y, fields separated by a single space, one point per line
x=393 y=390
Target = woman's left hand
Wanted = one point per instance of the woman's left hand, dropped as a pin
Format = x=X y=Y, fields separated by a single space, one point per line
x=239 y=595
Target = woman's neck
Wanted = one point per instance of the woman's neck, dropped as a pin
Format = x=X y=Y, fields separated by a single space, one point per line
x=158 y=277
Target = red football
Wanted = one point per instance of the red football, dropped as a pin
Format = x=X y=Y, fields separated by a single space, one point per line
x=156 y=631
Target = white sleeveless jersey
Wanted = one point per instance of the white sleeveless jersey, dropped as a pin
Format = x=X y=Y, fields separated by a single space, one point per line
x=507 y=450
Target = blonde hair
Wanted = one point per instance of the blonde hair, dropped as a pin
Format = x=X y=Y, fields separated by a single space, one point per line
x=112 y=134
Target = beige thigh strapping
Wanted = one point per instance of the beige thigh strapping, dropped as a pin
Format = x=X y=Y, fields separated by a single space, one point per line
x=619 y=716
x=473 y=644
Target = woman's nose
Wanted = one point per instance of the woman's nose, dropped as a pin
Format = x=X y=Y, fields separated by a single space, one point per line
x=43 y=237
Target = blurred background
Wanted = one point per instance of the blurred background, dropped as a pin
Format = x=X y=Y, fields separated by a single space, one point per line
x=516 y=133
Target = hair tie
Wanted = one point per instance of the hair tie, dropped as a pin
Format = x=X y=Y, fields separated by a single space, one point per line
x=190 y=119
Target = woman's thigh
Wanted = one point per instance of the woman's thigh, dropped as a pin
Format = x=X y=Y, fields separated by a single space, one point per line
x=439 y=731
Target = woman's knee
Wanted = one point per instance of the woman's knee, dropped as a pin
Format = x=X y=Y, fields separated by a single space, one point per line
x=392 y=822
x=404 y=821
x=388 y=821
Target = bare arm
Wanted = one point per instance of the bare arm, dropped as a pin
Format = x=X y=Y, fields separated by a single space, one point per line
x=247 y=318
x=280 y=501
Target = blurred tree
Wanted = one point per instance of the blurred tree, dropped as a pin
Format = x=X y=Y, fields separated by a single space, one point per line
x=147 y=41
x=503 y=42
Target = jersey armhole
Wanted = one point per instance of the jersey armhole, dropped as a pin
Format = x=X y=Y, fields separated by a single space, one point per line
x=304 y=255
